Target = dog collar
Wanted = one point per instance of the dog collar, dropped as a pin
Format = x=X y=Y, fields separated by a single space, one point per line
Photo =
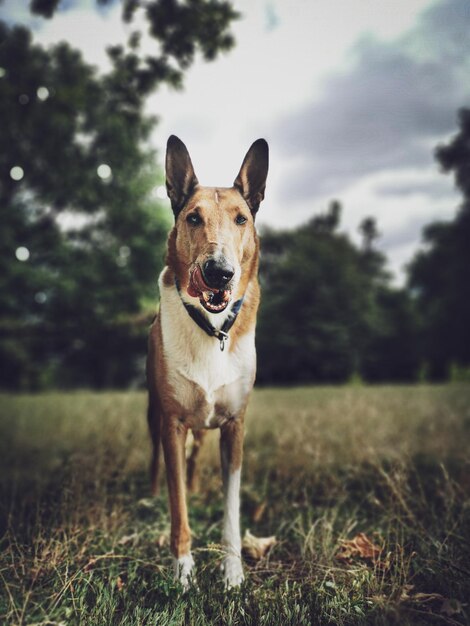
x=201 y=320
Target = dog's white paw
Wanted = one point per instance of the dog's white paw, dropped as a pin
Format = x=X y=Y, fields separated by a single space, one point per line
x=233 y=571
x=183 y=568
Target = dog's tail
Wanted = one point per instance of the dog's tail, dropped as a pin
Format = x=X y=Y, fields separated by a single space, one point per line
x=153 y=418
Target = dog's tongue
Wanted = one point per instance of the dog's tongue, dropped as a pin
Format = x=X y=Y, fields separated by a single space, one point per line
x=196 y=283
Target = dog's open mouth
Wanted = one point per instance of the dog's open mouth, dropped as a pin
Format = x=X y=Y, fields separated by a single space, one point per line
x=213 y=300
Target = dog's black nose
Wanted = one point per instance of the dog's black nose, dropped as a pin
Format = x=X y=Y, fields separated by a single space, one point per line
x=217 y=273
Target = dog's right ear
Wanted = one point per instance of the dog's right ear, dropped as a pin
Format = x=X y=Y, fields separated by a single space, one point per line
x=180 y=177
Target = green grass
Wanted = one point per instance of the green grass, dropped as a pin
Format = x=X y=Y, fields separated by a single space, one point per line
x=82 y=543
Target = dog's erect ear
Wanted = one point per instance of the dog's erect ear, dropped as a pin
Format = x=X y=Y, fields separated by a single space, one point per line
x=251 y=180
x=180 y=177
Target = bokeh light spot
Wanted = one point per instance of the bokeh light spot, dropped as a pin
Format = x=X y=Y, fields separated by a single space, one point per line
x=123 y=257
x=16 y=172
x=23 y=99
x=22 y=253
x=124 y=252
x=104 y=171
x=40 y=297
x=160 y=192
x=42 y=93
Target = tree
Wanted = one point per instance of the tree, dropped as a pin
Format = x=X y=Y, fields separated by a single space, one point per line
x=391 y=352
x=439 y=276
x=328 y=222
x=369 y=232
x=180 y=30
x=311 y=325
x=82 y=235
x=328 y=312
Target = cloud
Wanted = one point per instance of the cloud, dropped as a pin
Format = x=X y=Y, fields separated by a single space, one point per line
x=405 y=235
x=272 y=18
x=438 y=188
x=387 y=111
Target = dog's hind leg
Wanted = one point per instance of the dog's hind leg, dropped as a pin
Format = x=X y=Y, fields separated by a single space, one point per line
x=154 y=422
x=192 y=473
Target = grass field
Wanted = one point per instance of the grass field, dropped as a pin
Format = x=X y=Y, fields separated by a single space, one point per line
x=82 y=542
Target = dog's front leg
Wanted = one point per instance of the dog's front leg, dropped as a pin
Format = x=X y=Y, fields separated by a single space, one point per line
x=231 y=452
x=192 y=474
x=173 y=440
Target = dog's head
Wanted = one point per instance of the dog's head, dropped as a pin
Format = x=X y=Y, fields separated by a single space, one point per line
x=213 y=246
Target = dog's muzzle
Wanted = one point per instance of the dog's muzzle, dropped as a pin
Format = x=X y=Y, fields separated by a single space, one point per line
x=212 y=286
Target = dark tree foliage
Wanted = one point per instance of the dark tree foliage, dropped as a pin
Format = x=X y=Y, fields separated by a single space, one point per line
x=328 y=222
x=439 y=275
x=369 y=232
x=76 y=181
x=327 y=311
x=180 y=29
x=46 y=8
x=392 y=349
x=66 y=303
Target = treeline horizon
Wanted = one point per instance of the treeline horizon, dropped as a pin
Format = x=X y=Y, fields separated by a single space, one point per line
x=329 y=314
x=83 y=236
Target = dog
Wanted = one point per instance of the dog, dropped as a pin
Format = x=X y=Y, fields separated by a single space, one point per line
x=201 y=360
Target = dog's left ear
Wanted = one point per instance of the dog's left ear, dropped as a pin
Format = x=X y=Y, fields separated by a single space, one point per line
x=251 y=180
x=180 y=177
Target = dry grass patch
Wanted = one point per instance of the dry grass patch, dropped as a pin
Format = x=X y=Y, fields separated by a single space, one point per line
x=366 y=490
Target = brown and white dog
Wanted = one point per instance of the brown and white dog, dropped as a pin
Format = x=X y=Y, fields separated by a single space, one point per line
x=202 y=361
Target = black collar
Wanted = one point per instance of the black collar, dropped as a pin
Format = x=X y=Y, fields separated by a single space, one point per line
x=202 y=321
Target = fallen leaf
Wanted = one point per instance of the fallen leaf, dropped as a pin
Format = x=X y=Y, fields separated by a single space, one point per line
x=360 y=546
x=257 y=547
x=120 y=584
x=163 y=540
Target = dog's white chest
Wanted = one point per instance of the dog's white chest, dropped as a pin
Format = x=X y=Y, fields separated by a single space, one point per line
x=191 y=356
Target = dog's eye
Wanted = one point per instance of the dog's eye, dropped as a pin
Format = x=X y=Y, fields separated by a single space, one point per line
x=240 y=219
x=194 y=219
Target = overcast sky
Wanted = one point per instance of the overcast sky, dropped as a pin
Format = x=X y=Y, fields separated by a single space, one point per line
x=352 y=96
